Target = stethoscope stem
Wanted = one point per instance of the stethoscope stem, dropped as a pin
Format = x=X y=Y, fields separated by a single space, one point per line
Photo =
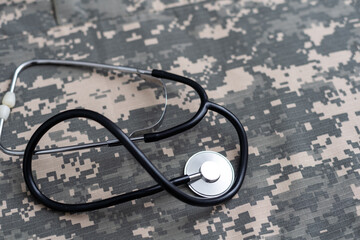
x=195 y=176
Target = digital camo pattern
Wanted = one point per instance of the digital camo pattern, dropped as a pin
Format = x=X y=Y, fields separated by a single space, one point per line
x=289 y=70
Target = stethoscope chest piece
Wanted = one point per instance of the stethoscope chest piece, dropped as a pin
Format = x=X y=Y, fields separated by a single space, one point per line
x=214 y=172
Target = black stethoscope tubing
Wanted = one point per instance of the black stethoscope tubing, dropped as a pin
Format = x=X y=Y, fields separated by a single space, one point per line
x=163 y=183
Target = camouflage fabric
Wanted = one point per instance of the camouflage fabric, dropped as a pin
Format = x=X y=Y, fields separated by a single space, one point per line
x=289 y=70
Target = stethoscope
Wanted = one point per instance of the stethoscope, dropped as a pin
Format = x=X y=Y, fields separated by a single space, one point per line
x=208 y=174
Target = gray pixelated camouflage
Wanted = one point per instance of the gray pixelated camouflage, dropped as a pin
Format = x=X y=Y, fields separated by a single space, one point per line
x=289 y=70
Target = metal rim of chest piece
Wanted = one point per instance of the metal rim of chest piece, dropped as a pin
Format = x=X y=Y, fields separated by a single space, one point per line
x=217 y=173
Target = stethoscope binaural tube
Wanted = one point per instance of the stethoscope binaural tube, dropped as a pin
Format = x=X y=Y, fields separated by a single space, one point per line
x=163 y=183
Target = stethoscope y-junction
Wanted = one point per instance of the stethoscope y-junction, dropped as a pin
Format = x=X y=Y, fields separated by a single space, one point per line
x=209 y=174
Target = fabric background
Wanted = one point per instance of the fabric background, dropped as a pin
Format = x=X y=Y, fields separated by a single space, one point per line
x=289 y=70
